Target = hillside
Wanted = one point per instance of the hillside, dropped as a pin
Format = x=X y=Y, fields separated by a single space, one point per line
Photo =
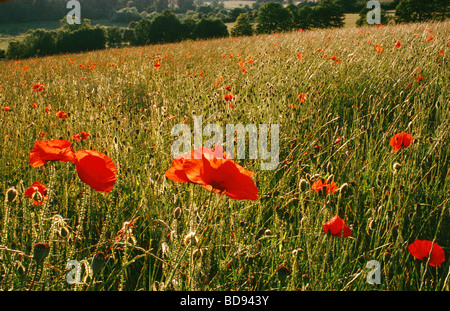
x=338 y=97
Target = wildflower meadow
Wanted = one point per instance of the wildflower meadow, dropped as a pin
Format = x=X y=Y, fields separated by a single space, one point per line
x=93 y=199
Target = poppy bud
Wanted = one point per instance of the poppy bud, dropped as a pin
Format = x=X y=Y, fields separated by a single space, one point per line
x=11 y=194
x=303 y=184
x=177 y=212
x=40 y=252
x=282 y=273
x=98 y=262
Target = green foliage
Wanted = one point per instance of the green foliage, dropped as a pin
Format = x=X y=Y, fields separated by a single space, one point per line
x=126 y=15
x=84 y=39
x=210 y=28
x=273 y=17
x=142 y=32
x=243 y=26
x=328 y=15
x=115 y=36
x=410 y=11
x=165 y=28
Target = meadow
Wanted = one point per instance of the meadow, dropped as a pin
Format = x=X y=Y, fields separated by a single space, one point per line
x=338 y=95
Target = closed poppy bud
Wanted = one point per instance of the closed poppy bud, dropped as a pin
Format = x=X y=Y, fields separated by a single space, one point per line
x=282 y=273
x=177 y=212
x=303 y=184
x=11 y=194
x=40 y=252
x=98 y=262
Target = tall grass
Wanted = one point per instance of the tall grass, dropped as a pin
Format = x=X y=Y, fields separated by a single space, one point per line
x=129 y=107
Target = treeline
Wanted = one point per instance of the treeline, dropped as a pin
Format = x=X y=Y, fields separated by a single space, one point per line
x=168 y=27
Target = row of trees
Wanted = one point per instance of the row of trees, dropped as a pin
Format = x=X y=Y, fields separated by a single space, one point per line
x=167 y=27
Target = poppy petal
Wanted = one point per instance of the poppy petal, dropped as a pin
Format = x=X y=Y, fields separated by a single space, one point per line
x=53 y=150
x=421 y=249
x=96 y=169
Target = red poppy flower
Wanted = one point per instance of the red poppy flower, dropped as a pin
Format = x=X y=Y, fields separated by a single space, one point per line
x=53 y=150
x=80 y=136
x=400 y=140
x=38 y=87
x=95 y=169
x=228 y=97
x=398 y=44
x=302 y=97
x=330 y=188
x=60 y=114
x=216 y=171
x=430 y=38
x=337 y=227
x=427 y=249
x=157 y=64
x=37 y=192
x=7 y=108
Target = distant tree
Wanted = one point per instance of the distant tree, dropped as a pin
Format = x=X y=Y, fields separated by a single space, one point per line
x=350 y=6
x=304 y=18
x=165 y=27
x=126 y=15
x=210 y=28
x=187 y=28
x=235 y=12
x=80 y=40
x=441 y=9
x=142 y=32
x=273 y=17
x=39 y=42
x=129 y=36
x=161 y=5
x=243 y=26
x=328 y=14
x=186 y=5
x=415 y=10
x=114 y=36
x=15 y=50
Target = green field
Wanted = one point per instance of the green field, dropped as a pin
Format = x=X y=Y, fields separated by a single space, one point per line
x=359 y=90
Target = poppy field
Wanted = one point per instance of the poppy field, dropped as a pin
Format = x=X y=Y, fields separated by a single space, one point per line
x=92 y=198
